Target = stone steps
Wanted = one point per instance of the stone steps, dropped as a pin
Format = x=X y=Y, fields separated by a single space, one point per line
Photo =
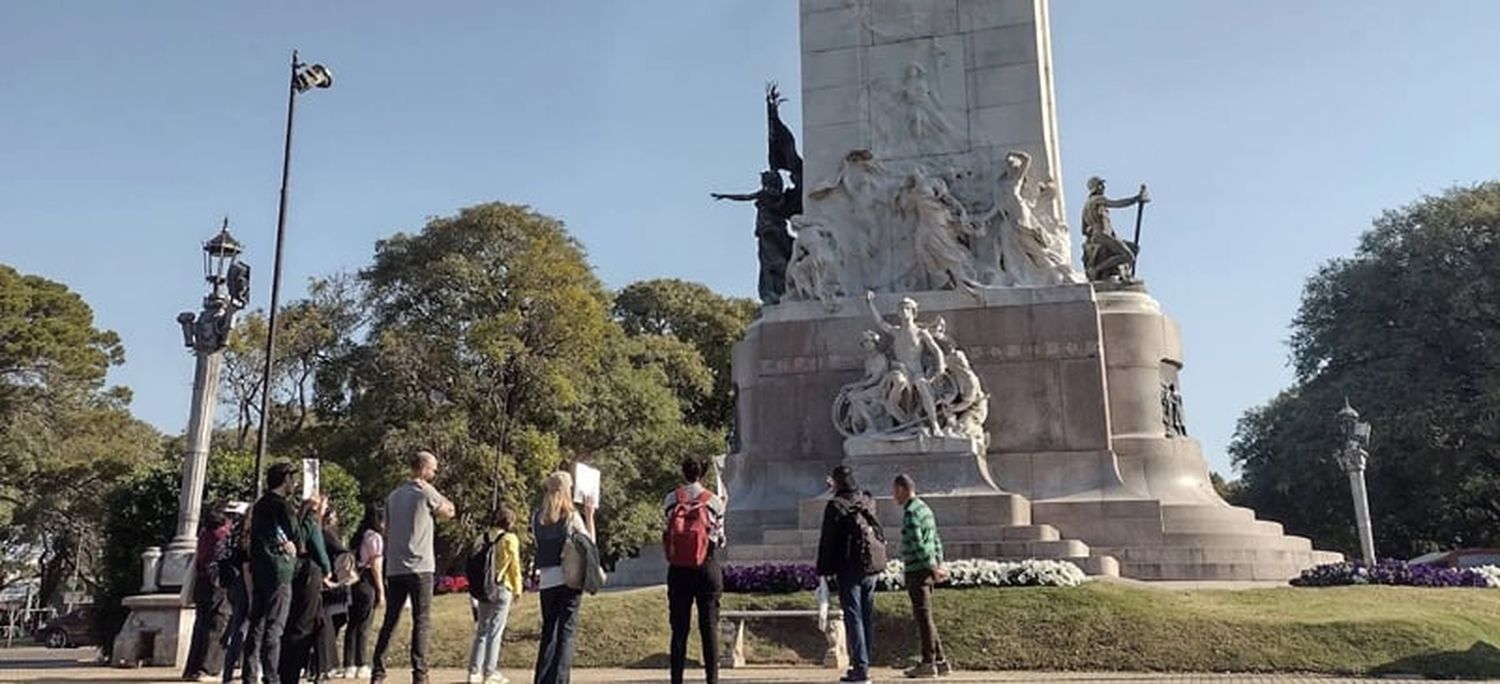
x=1250 y=541
x=1171 y=513
x=1210 y=571
x=951 y=534
x=1213 y=526
x=1187 y=554
x=992 y=508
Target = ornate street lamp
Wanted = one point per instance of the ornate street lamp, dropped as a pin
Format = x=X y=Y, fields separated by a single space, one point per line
x=304 y=78
x=206 y=333
x=1352 y=456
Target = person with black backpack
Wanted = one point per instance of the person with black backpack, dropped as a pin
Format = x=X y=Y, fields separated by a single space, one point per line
x=851 y=550
x=694 y=534
x=494 y=574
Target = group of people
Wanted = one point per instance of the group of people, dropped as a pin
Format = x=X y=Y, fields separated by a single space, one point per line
x=274 y=588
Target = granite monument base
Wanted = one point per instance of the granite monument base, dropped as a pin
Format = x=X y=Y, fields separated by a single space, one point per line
x=1087 y=442
x=157 y=633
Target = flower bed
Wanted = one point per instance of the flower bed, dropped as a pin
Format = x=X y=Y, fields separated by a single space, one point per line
x=786 y=578
x=770 y=578
x=964 y=574
x=1396 y=573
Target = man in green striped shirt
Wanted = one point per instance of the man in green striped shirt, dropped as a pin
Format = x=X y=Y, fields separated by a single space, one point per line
x=922 y=554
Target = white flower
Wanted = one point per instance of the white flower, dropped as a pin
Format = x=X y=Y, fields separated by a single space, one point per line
x=1491 y=574
x=989 y=573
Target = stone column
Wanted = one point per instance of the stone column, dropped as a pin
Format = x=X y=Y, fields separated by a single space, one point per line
x=177 y=560
x=1362 y=514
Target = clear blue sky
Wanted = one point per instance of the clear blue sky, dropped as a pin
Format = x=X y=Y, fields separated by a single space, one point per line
x=1271 y=132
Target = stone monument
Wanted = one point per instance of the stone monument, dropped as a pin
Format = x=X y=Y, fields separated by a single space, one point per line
x=1038 y=406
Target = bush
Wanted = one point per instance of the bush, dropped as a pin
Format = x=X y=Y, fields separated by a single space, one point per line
x=770 y=578
x=963 y=574
x=1395 y=573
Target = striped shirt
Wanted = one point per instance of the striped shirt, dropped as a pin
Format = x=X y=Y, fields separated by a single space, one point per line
x=921 y=547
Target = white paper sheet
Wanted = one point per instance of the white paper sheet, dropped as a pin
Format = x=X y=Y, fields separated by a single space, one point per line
x=585 y=482
x=312 y=472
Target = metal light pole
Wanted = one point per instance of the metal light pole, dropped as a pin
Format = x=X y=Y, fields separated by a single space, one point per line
x=303 y=78
x=206 y=333
x=1352 y=457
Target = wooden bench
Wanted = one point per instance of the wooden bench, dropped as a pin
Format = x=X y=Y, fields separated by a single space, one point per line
x=732 y=624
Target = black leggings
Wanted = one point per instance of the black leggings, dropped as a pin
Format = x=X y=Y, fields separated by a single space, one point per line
x=361 y=614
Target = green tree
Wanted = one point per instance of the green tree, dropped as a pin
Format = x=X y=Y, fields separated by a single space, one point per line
x=313 y=334
x=1406 y=328
x=490 y=342
x=691 y=313
x=64 y=436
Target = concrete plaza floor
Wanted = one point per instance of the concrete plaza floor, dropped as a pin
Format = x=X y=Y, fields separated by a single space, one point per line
x=40 y=665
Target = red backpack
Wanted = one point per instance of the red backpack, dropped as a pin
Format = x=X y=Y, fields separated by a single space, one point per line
x=686 y=539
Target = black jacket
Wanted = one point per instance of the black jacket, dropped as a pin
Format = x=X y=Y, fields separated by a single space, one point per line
x=839 y=535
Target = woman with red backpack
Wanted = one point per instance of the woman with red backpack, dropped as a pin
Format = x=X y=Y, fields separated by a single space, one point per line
x=694 y=535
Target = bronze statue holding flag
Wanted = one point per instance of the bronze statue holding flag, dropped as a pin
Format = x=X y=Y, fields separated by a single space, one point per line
x=775 y=203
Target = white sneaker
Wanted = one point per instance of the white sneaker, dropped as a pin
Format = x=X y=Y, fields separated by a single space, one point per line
x=336 y=673
x=475 y=678
x=363 y=673
x=497 y=678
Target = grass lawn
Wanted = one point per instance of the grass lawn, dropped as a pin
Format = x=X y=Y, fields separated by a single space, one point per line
x=1100 y=626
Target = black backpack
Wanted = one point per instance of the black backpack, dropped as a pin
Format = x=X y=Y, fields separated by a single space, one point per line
x=480 y=571
x=866 y=539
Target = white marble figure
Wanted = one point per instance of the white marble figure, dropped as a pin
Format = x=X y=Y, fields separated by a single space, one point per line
x=1031 y=252
x=814 y=270
x=914 y=385
x=924 y=113
x=856 y=205
x=939 y=221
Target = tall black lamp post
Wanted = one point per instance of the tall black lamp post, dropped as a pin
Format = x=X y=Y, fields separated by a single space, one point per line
x=304 y=78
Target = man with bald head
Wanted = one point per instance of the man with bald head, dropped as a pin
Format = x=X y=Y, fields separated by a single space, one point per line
x=410 y=511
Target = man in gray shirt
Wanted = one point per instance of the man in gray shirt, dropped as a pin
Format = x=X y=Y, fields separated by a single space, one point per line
x=409 y=561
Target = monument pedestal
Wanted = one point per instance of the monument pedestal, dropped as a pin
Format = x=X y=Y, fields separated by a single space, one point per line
x=157 y=633
x=938 y=464
x=1083 y=462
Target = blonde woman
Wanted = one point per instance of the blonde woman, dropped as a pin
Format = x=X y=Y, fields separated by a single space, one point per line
x=553 y=523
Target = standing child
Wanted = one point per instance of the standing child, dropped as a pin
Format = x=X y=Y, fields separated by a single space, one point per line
x=493 y=602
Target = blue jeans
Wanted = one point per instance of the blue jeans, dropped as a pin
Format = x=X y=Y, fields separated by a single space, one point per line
x=857 y=599
x=554 y=657
x=484 y=655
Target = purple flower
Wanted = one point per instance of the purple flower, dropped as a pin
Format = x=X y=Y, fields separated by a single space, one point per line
x=770 y=578
x=1388 y=572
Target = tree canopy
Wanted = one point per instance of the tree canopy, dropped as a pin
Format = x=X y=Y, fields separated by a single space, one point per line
x=64 y=436
x=1408 y=329
x=486 y=338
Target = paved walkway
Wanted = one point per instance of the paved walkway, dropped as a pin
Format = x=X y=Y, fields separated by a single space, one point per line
x=41 y=665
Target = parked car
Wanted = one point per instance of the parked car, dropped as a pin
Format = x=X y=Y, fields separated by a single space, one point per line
x=67 y=631
x=1459 y=558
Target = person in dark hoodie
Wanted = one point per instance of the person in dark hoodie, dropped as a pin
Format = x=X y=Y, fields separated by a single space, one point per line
x=851 y=551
